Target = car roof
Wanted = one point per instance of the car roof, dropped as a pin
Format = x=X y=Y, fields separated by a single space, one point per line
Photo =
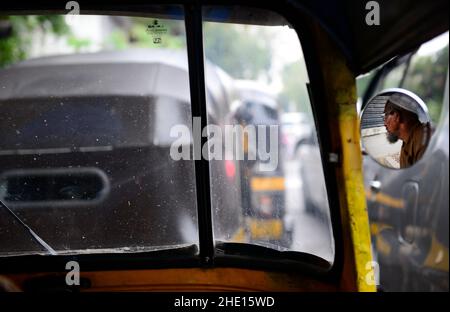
x=176 y=58
x=253 y=91
x=133 y=72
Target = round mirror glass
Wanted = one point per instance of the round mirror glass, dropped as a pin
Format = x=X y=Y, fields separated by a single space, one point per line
x=395 y=128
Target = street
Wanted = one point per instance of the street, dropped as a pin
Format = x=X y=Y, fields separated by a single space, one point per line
x=311 y=234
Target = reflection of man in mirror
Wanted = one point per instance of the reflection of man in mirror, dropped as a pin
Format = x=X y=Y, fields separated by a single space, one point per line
x=401 y=119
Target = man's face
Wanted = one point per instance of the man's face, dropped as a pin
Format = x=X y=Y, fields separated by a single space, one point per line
x=392 y=124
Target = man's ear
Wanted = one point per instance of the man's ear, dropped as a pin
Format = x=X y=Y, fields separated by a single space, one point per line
x=396 y=116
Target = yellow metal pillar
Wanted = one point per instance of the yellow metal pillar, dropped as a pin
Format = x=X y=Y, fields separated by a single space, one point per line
x=340 y=91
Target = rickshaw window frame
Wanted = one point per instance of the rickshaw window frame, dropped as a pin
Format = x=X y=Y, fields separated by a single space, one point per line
x=205 y=257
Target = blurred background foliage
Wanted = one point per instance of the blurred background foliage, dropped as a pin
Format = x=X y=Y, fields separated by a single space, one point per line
x=426 y=77
x=294 y=94
x=16 y=34
x=223 y=44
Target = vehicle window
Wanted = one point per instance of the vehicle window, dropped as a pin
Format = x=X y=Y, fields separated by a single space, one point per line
x=424 y=75
x=363 y=83
x=279 y=178
x=408 y=208
x=87 y=105
x=427 y=73
x=394 y=78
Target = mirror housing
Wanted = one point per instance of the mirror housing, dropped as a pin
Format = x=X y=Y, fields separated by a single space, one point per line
x=395 y=128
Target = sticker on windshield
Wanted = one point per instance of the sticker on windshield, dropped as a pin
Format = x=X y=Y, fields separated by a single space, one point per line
x=156 y=29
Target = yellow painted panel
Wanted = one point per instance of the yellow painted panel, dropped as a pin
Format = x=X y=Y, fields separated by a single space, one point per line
x=340 y=96
x=191 y=279
x=385 y=199
x=437 y=256
x=259 y=184
x=265 y=229
x=356 y=200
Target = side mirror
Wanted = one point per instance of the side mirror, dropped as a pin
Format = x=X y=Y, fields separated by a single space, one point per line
x=395 y=128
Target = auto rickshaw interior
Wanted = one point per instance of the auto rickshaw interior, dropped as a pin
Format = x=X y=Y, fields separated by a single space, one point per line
x=106 y=158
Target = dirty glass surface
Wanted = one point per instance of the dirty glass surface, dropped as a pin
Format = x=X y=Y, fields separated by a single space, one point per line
x=87 y=104
x=269 y=144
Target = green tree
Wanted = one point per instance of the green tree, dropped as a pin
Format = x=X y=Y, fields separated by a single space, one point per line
x=426 y=77
x=15 y=46
x=294 y=95
x=242 y=54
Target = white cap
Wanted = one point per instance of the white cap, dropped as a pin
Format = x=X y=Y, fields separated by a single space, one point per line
x=408 y=103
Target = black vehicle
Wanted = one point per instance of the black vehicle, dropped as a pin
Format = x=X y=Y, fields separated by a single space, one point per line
x=82 y=165
x=409 y=208
x=263 y=191
x=313 y=186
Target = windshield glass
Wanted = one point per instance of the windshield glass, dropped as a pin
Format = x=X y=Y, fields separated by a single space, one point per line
x=86 y=107
x=269 y=146
x=97 y=133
